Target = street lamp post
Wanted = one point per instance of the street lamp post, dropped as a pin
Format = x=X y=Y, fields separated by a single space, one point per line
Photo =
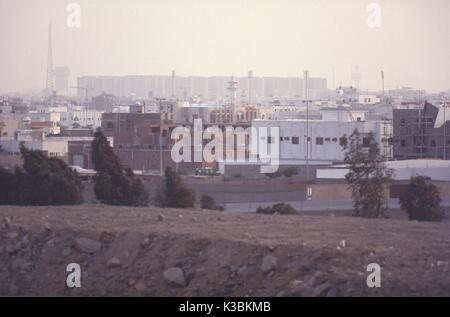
x=305 y=78
x=445 y=132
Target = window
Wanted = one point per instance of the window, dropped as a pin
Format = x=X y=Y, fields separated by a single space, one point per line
x=319 y=141
x=295 y=140
x=366 y=142
x=402 y=142
x=327 y=139
x=269 y=140
x=286 y=138
x=110 y=125
x=334 y=139
x=433 y=143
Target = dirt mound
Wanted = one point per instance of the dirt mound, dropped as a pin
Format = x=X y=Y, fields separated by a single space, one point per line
x=168 y=252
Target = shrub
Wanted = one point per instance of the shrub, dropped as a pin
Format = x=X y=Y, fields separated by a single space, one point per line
x=207 y=202
x=422 y=200
x=264 y=210
x=289 y=171
x=286 y=171
x=281 y=208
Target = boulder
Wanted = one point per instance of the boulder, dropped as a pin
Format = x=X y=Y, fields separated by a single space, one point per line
x=175 y=277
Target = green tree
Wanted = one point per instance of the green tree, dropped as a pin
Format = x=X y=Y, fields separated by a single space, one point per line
x=367 y=176
x=175 y=194
x=41 y=181
x=46 y=181
x=114 y=184
x=7 y=187
x=422 y=200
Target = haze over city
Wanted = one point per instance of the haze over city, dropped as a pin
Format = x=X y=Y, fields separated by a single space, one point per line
x=238 y=152
x=208 y=38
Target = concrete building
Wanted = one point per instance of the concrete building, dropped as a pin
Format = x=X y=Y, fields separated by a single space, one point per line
x=342 y=114
x=119 y=122
x=61 y=76
x=421 y=131
x=52 y=147
x=324 y=139
x=206 y=88
x=83 y=118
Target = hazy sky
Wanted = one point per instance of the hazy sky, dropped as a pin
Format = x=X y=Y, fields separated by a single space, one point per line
x=212 y=37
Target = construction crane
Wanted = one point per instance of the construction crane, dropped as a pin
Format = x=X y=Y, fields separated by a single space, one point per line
x=86 y=90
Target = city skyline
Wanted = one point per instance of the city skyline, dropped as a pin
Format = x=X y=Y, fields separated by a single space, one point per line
x=199 y=38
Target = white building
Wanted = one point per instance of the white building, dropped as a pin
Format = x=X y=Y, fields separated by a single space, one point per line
x=325 y=145
x=53 y=147
x=438 y=170
x=342 y=115
x=368 y=99
x=87 y=118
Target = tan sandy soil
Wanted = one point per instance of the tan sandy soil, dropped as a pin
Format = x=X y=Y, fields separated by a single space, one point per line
x=218 y=253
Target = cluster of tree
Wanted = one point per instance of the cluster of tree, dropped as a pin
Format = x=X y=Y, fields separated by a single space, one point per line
x=422 y=201
x=41 y=181
x=367 y=176
x=114 y=184
x=286 y=171
x=207 y=202
x=174 y=194
x=281 y=208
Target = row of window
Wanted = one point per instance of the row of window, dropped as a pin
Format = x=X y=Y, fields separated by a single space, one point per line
x=417 y=142
x=296 y=140
x=417 y=120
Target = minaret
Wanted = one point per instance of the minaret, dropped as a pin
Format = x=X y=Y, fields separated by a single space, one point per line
x=232 y=91
x=250 y=88
x=49 y=82
x=173 y=84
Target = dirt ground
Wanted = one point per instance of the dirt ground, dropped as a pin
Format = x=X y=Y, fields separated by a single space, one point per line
x=167 y=252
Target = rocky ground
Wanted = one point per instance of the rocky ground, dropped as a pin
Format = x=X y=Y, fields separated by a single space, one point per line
x=168 y=252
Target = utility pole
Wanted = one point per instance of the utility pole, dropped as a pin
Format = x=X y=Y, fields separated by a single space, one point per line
x=305 y=78
x=445 y=132
x=250 y=77
x=160 y=138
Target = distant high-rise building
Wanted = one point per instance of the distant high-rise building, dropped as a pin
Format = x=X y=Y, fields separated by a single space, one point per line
x=209 y=88
x=61 y=75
